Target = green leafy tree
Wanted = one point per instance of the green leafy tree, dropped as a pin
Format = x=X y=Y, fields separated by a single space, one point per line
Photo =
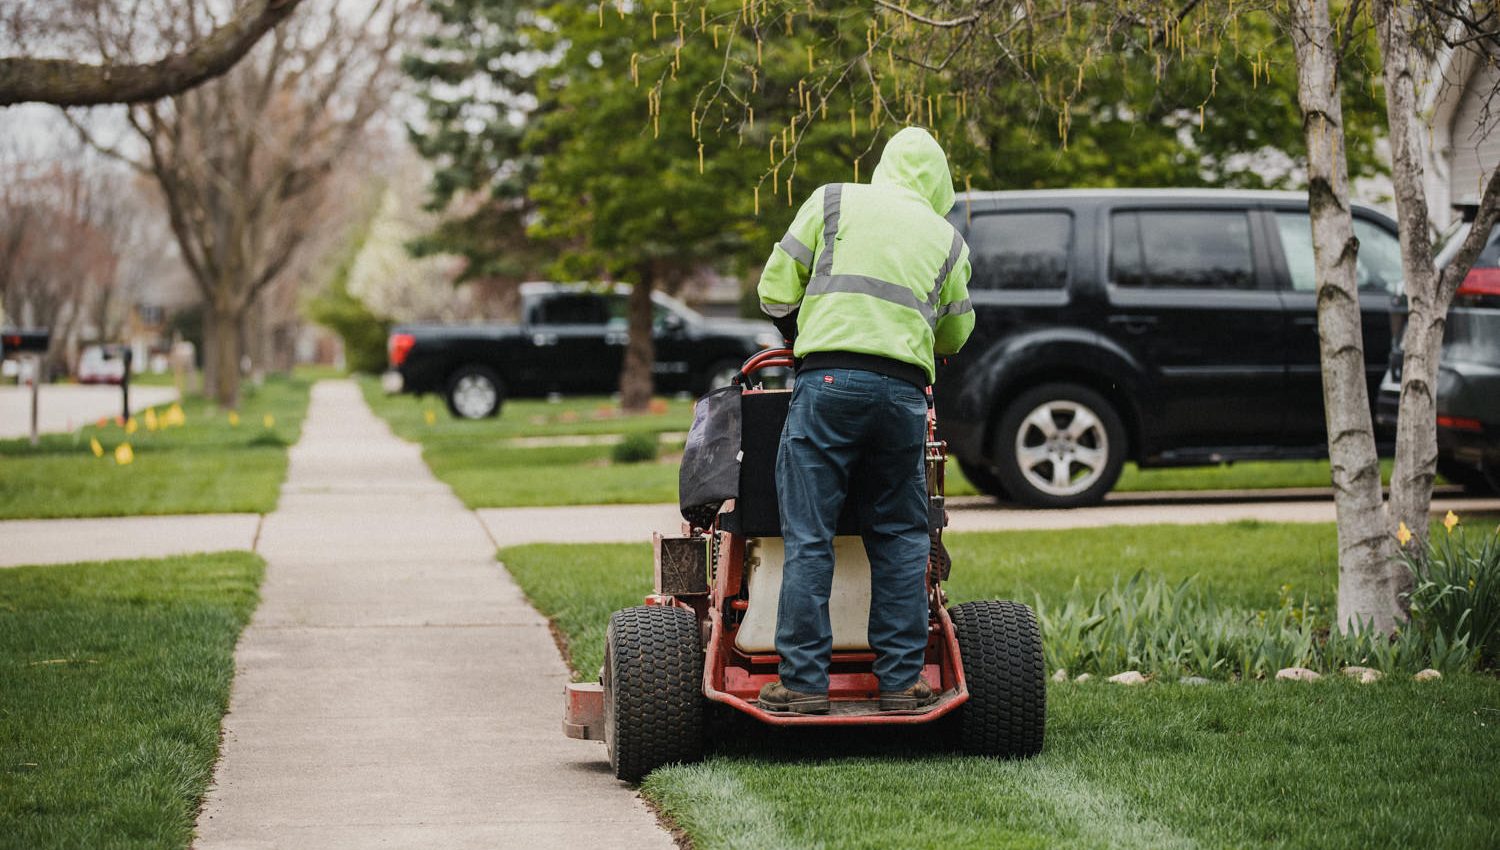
x=644 y=178
x=476 y=79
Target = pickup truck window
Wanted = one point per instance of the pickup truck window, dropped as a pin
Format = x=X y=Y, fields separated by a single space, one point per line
x=1181 y=249
x=1378 y=266
x=1020 y=250
x=582 y=308
x=619 y=312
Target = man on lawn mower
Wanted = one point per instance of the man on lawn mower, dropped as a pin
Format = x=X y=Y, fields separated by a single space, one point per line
x=869 y=283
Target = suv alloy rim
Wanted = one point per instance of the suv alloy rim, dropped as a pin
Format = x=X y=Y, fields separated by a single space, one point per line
x=1062 y=448
x=473 y=396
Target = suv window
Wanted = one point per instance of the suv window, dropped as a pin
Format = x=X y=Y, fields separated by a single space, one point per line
x=1181 y=249
x=1020 y=250
x=1378 y=267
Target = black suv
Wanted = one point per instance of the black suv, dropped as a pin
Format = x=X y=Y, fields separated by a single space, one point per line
x=1468 y=386
x=1169 y=327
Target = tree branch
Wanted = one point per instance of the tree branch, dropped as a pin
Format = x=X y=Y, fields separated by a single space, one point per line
x=1479 y=236
x=932 y=22
x=65 y=82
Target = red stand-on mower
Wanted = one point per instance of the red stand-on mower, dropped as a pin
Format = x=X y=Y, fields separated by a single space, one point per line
x=705 y=639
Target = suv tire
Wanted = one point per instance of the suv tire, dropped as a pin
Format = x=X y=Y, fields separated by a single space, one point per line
x=1059 y=446
x=985 y=478
x=1473 y=479
x=474 y=392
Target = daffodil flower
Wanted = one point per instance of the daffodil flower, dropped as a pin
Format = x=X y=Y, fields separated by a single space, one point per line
x=1403 y=534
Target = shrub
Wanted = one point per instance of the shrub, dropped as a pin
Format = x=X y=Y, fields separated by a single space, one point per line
x=636 y=448
x=1455 y=596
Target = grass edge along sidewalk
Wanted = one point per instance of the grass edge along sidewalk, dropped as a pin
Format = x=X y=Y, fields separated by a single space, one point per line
x=1326 y=764
x=212 y=462
x=114 y=679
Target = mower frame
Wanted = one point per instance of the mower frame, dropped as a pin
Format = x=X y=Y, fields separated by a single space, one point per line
x=702 y=572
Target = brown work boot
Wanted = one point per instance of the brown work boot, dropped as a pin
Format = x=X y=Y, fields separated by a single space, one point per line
x=915 y=697
x=776 y=697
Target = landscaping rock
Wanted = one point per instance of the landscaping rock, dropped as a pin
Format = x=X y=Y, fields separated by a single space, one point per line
x=1365 y=675
x=1129 y=677
x=1298 y=674
x=1083 y=677
x=1428 y=675
x=1193 y=680
x=1060 y=676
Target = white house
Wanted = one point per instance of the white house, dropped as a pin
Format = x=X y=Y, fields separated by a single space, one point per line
x=1462 y=105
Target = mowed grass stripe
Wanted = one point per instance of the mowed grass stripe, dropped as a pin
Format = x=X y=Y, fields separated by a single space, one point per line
x=114 y=677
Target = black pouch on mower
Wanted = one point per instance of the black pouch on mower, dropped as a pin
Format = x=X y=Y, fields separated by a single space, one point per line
x=710 y=473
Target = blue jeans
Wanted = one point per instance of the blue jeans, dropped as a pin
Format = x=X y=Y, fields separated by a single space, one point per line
x=851 y=425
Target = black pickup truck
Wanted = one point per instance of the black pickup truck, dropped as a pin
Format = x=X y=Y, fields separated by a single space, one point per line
x=571 y=339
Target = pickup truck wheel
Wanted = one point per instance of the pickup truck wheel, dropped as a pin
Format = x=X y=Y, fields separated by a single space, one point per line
x=1059 y=446
x=474 y=392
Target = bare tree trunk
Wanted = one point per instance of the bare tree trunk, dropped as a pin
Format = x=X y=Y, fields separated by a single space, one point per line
x=640 y=351
x=1428 y=293
x=221 y=360
x=1416 y=427
x=1366 y=591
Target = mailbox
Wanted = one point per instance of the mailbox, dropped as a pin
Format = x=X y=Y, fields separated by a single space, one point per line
x=14 y=341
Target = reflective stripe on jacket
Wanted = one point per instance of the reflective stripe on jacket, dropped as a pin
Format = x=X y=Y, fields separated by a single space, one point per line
x=875 y=268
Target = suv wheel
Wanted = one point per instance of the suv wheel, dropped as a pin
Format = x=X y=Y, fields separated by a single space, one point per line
x=984 y=478
x=1473 y=479
x=1059 y=446
x=474 y=392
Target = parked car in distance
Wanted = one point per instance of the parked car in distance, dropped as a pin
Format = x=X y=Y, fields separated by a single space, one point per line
x=1468 y=384
x=99 y=365
x=571 y=340
x=1170 y=327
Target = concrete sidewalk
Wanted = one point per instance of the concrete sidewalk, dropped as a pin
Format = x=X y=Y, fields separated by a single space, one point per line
x=64 y=541
x=63 y=407
x=394 y=688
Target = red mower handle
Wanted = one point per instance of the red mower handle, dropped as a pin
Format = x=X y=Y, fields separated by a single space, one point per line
x=768 y=359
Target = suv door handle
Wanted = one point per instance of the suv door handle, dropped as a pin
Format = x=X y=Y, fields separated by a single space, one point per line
x=1133 y=324
x=1305 y=321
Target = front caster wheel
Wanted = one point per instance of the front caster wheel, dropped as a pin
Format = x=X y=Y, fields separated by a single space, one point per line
x=653 y=697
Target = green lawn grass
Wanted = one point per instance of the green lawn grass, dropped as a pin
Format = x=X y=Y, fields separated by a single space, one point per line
x=113 y=680
x=207 y=465
x=1256 y=764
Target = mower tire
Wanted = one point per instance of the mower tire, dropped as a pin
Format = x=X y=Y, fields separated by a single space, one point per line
x=653 y=697
x=1000 y=647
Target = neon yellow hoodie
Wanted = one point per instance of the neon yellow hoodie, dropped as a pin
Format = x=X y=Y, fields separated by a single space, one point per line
x=875 y=268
